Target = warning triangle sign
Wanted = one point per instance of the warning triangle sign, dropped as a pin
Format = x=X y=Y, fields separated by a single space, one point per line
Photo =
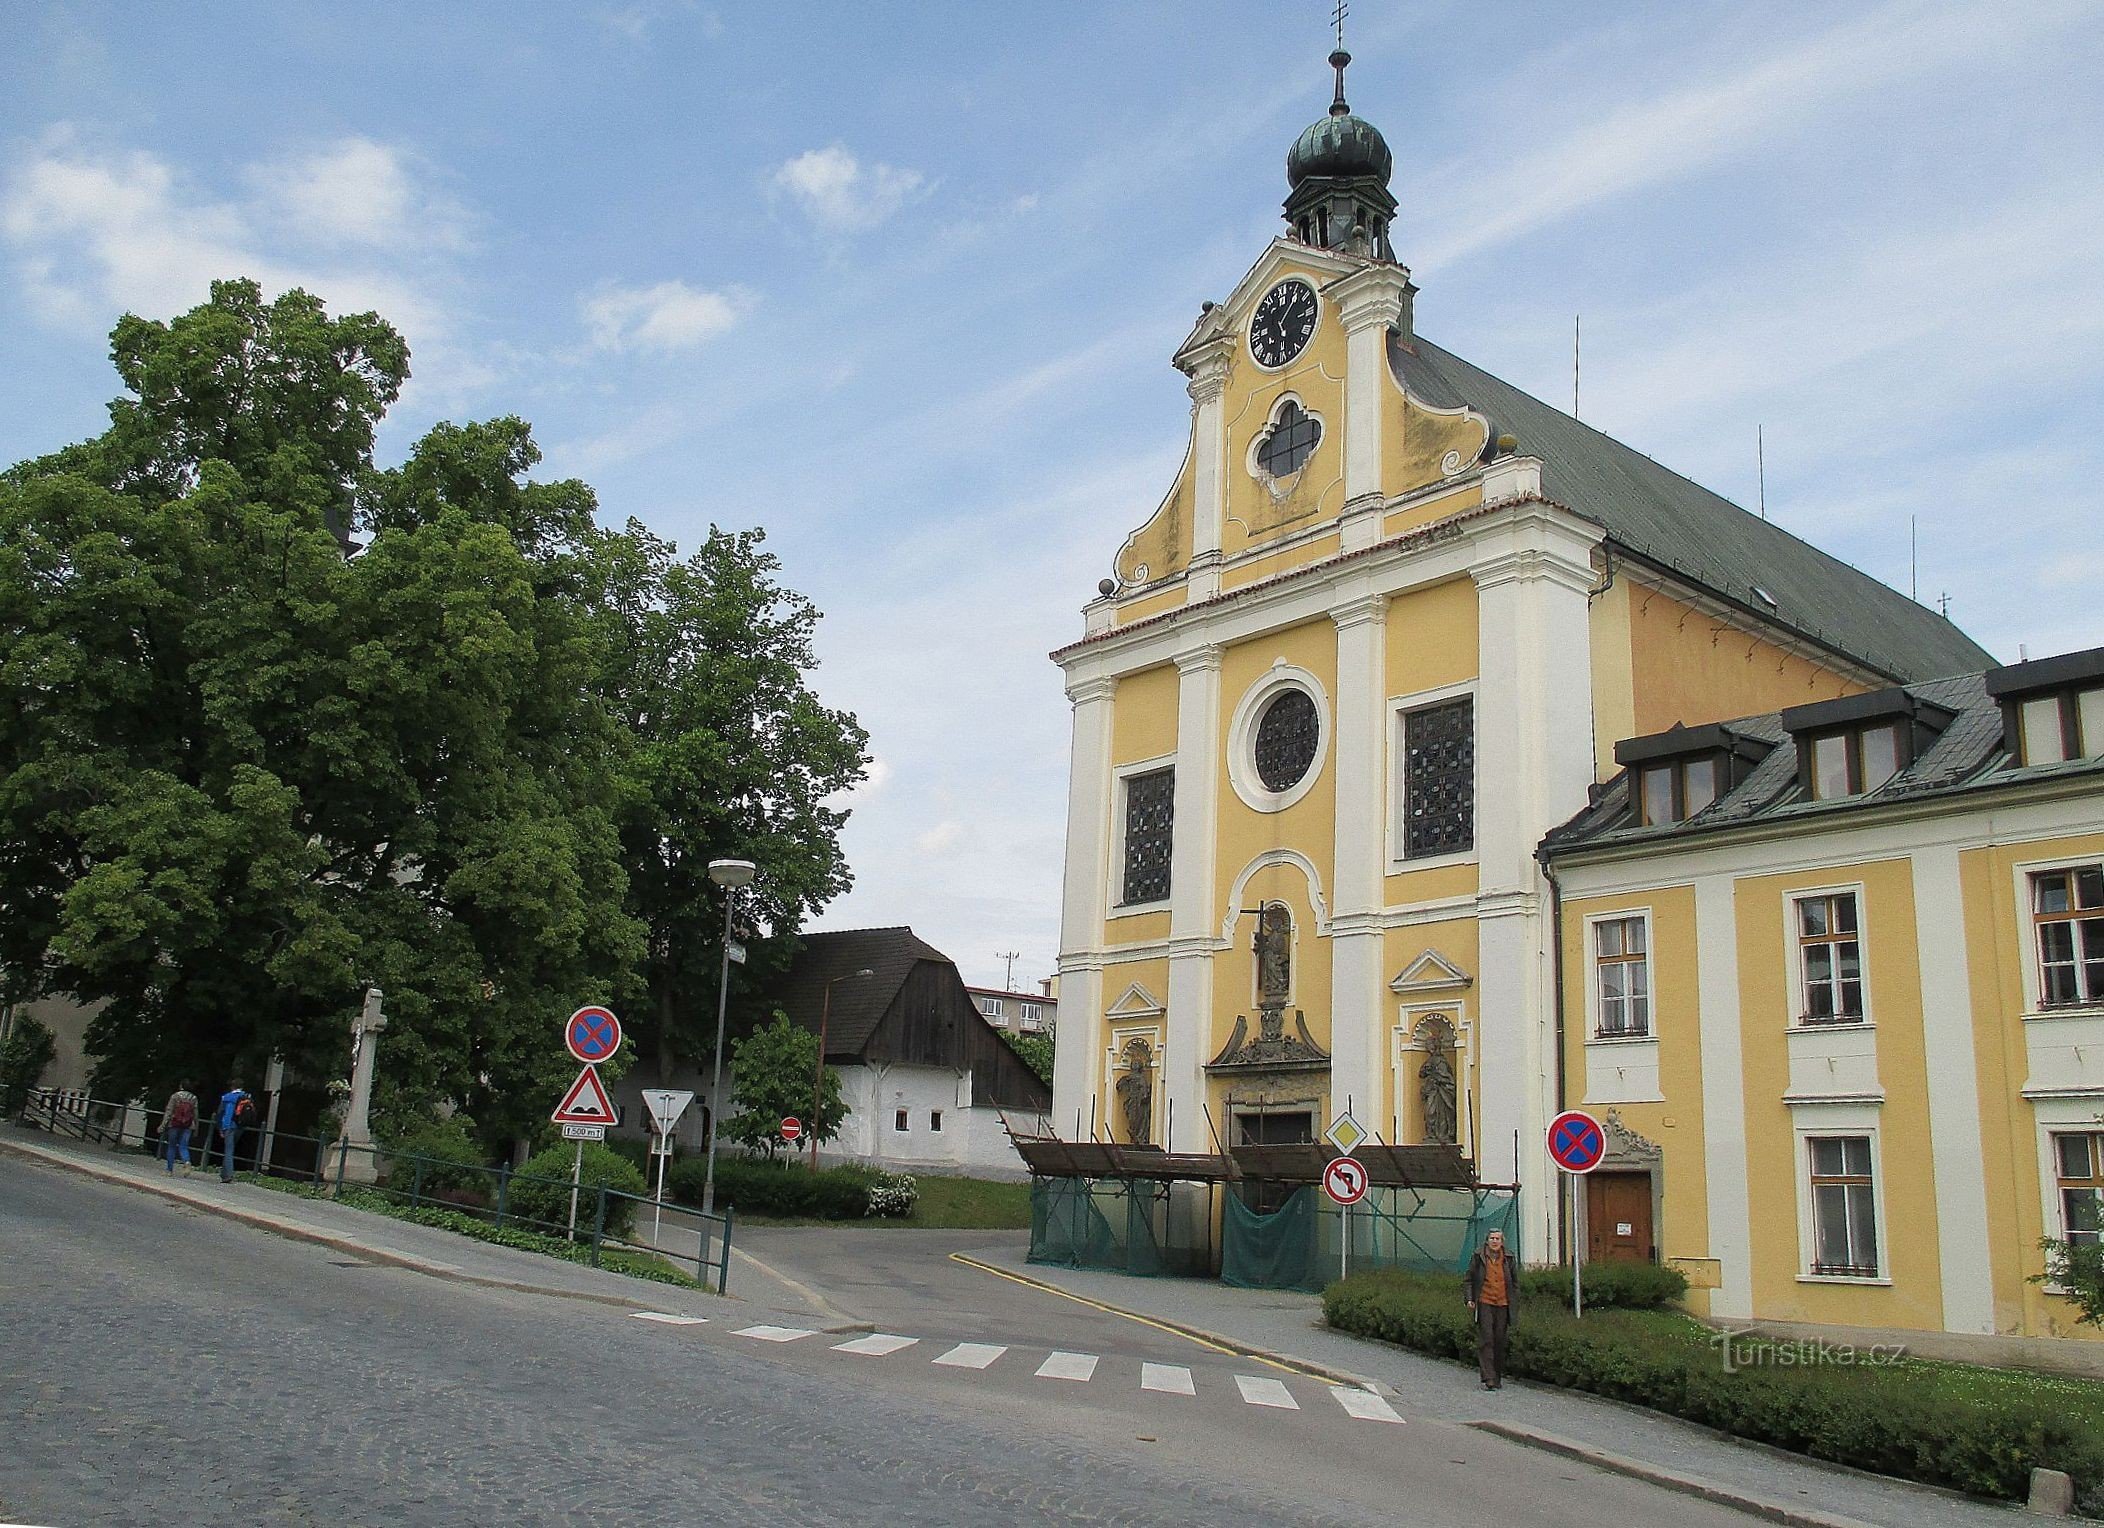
x=586 y=1103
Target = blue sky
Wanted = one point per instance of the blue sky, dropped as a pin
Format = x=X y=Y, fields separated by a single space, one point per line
x=900 y=283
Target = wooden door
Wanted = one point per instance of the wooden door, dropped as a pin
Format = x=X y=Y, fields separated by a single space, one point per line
x=1618 y=1218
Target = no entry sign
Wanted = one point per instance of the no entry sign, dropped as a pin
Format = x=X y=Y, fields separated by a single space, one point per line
x=1344 y=1180
x=792 y=1127
x=1576 y=1141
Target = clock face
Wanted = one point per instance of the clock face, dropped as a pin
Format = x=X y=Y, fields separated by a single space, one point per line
x=1283 y=323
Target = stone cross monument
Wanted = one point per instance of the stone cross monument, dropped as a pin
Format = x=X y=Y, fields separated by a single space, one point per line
x=357 y=1137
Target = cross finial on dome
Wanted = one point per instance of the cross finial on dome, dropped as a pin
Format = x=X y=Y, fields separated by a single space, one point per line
x=1339 y=58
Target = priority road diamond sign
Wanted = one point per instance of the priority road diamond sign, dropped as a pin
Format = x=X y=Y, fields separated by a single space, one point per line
x=1346 y=1133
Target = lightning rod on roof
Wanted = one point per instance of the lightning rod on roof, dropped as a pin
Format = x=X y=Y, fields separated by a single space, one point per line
x=1575 y=318
x=1913 y=561
x=1760 y=464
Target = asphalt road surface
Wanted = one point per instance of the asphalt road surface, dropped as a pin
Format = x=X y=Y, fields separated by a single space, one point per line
x=160 y=1364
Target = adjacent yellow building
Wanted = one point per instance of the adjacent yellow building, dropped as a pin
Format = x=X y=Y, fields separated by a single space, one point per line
x=1838 y=972
x=1381 y=635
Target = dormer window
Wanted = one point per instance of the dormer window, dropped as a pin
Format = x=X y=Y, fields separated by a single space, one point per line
x=2053 y=709
x=1859 y=743
x=1677 y=774
x=1854 y=763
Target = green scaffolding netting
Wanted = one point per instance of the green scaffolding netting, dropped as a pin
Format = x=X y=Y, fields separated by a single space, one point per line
x=1301 y=1244
x=1122 y=1225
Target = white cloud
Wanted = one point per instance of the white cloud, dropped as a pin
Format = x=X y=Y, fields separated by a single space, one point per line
x=668 y=316
x=843 y=195
x=94 y=230
x=940 y=839
x=1663 y=137
x=358 y=192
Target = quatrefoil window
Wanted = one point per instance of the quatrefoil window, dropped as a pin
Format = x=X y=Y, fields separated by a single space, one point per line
x=1291 y=440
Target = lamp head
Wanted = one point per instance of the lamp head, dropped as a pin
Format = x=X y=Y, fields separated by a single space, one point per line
x=732 y=873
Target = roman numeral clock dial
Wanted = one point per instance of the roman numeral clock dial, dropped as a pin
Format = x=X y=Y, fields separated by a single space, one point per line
x=1283 y=323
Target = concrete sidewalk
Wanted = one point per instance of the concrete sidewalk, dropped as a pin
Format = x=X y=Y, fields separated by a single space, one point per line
x=1288 y=1325
x=401 y=1244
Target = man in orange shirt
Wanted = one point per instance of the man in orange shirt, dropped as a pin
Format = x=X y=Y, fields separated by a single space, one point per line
x=1492 y=1290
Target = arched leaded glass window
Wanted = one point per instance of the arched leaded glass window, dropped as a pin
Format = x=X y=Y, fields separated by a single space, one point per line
x=1292 y=440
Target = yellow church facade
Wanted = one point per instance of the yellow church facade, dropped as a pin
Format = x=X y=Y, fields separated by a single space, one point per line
x=1380 y=637
x=1848 y=1013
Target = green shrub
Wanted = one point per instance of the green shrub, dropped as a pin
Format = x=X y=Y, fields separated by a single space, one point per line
x=1891 y=1417
x=1610 y=1286
x=540 y=1191
x=791 y=1191
x=441 y=1156
x=28 y=1051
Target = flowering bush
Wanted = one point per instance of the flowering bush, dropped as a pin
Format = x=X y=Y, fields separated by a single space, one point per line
x=893 y=1195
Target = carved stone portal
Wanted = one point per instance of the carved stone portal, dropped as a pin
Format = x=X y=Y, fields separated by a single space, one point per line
x=1272 y=1049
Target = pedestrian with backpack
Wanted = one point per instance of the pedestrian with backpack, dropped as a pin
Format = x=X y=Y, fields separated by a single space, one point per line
x=237 y=1111
x=178 y=1119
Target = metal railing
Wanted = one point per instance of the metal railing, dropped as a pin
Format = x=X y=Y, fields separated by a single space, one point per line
x=500 y=1197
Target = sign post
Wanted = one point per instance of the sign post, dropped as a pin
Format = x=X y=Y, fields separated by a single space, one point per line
x=1347 y=1135
x=1577 y=1144
x=792 y=1129
x=666 y=1105
x=592 y=1035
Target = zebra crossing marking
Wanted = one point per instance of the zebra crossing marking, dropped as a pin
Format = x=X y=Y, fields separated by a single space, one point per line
x=972 y=1355
x=1081 y=1366
x=1365 y=1405
x=773 y=1333
x=668 y=1319
x=1169 y=1379
x=875 y=1345
x=1266 y=1392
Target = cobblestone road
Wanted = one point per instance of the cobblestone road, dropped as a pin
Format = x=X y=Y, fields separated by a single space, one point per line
x=163 y=1364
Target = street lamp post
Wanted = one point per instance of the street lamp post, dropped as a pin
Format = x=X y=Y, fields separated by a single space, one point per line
x=818 y=1080
x=730 y=874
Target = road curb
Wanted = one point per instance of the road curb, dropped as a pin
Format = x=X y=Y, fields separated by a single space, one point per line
x=1224 y=1343
x=293 y=1231
x=1687 y=1485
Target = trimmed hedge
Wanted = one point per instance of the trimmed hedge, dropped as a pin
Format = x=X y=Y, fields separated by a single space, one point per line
x=794 y=1192
x=540 y=1191
x=1892 y=1418
x=1610 y=1286
x=452 y=1160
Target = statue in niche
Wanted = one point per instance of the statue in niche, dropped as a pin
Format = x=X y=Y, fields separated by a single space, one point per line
x=1136 y=1092
x=1274 y=954
x=1437 y=1092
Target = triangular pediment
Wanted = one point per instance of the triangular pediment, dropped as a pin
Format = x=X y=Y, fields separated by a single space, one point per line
x=1137 y=1003
x=1431 y=972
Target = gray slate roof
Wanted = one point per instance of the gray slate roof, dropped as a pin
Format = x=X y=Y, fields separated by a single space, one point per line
x=1669 y=520
x=856 y=1007
x=1968 y=756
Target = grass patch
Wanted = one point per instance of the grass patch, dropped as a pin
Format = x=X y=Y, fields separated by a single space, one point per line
x=624 y=1260
x=945 y=1204
x=1964 y=1426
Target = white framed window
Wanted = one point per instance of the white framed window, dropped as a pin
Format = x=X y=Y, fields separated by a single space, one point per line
x=2067 y=915
x=901 y=1121
x=2065 y=725
x=1842 y=1182
x=1621 y=986
x=2078 y=1182
x=993 y=1007
x=935 y=1120
x=1826 y=943
x=1432 y=778
x=1278 y=738
x=1144 y=825
x=1855 y=762
x=1033 y=1012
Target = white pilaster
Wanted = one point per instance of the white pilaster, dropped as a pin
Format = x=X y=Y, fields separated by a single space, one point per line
x=1193 y=856
x=1534 y=766
x=1206 y=365
x=1358 y=1068
x=1075 y=1064
x=1954 y=1093
x=1723 y=1094
x=1369 y=304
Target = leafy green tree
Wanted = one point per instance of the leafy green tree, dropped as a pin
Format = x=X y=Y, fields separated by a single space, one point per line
x=775 y=1068
x=731 y=756
x=2078 y=1269
x=28 y=1051
x=482 y=764
x=1036 y=1051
